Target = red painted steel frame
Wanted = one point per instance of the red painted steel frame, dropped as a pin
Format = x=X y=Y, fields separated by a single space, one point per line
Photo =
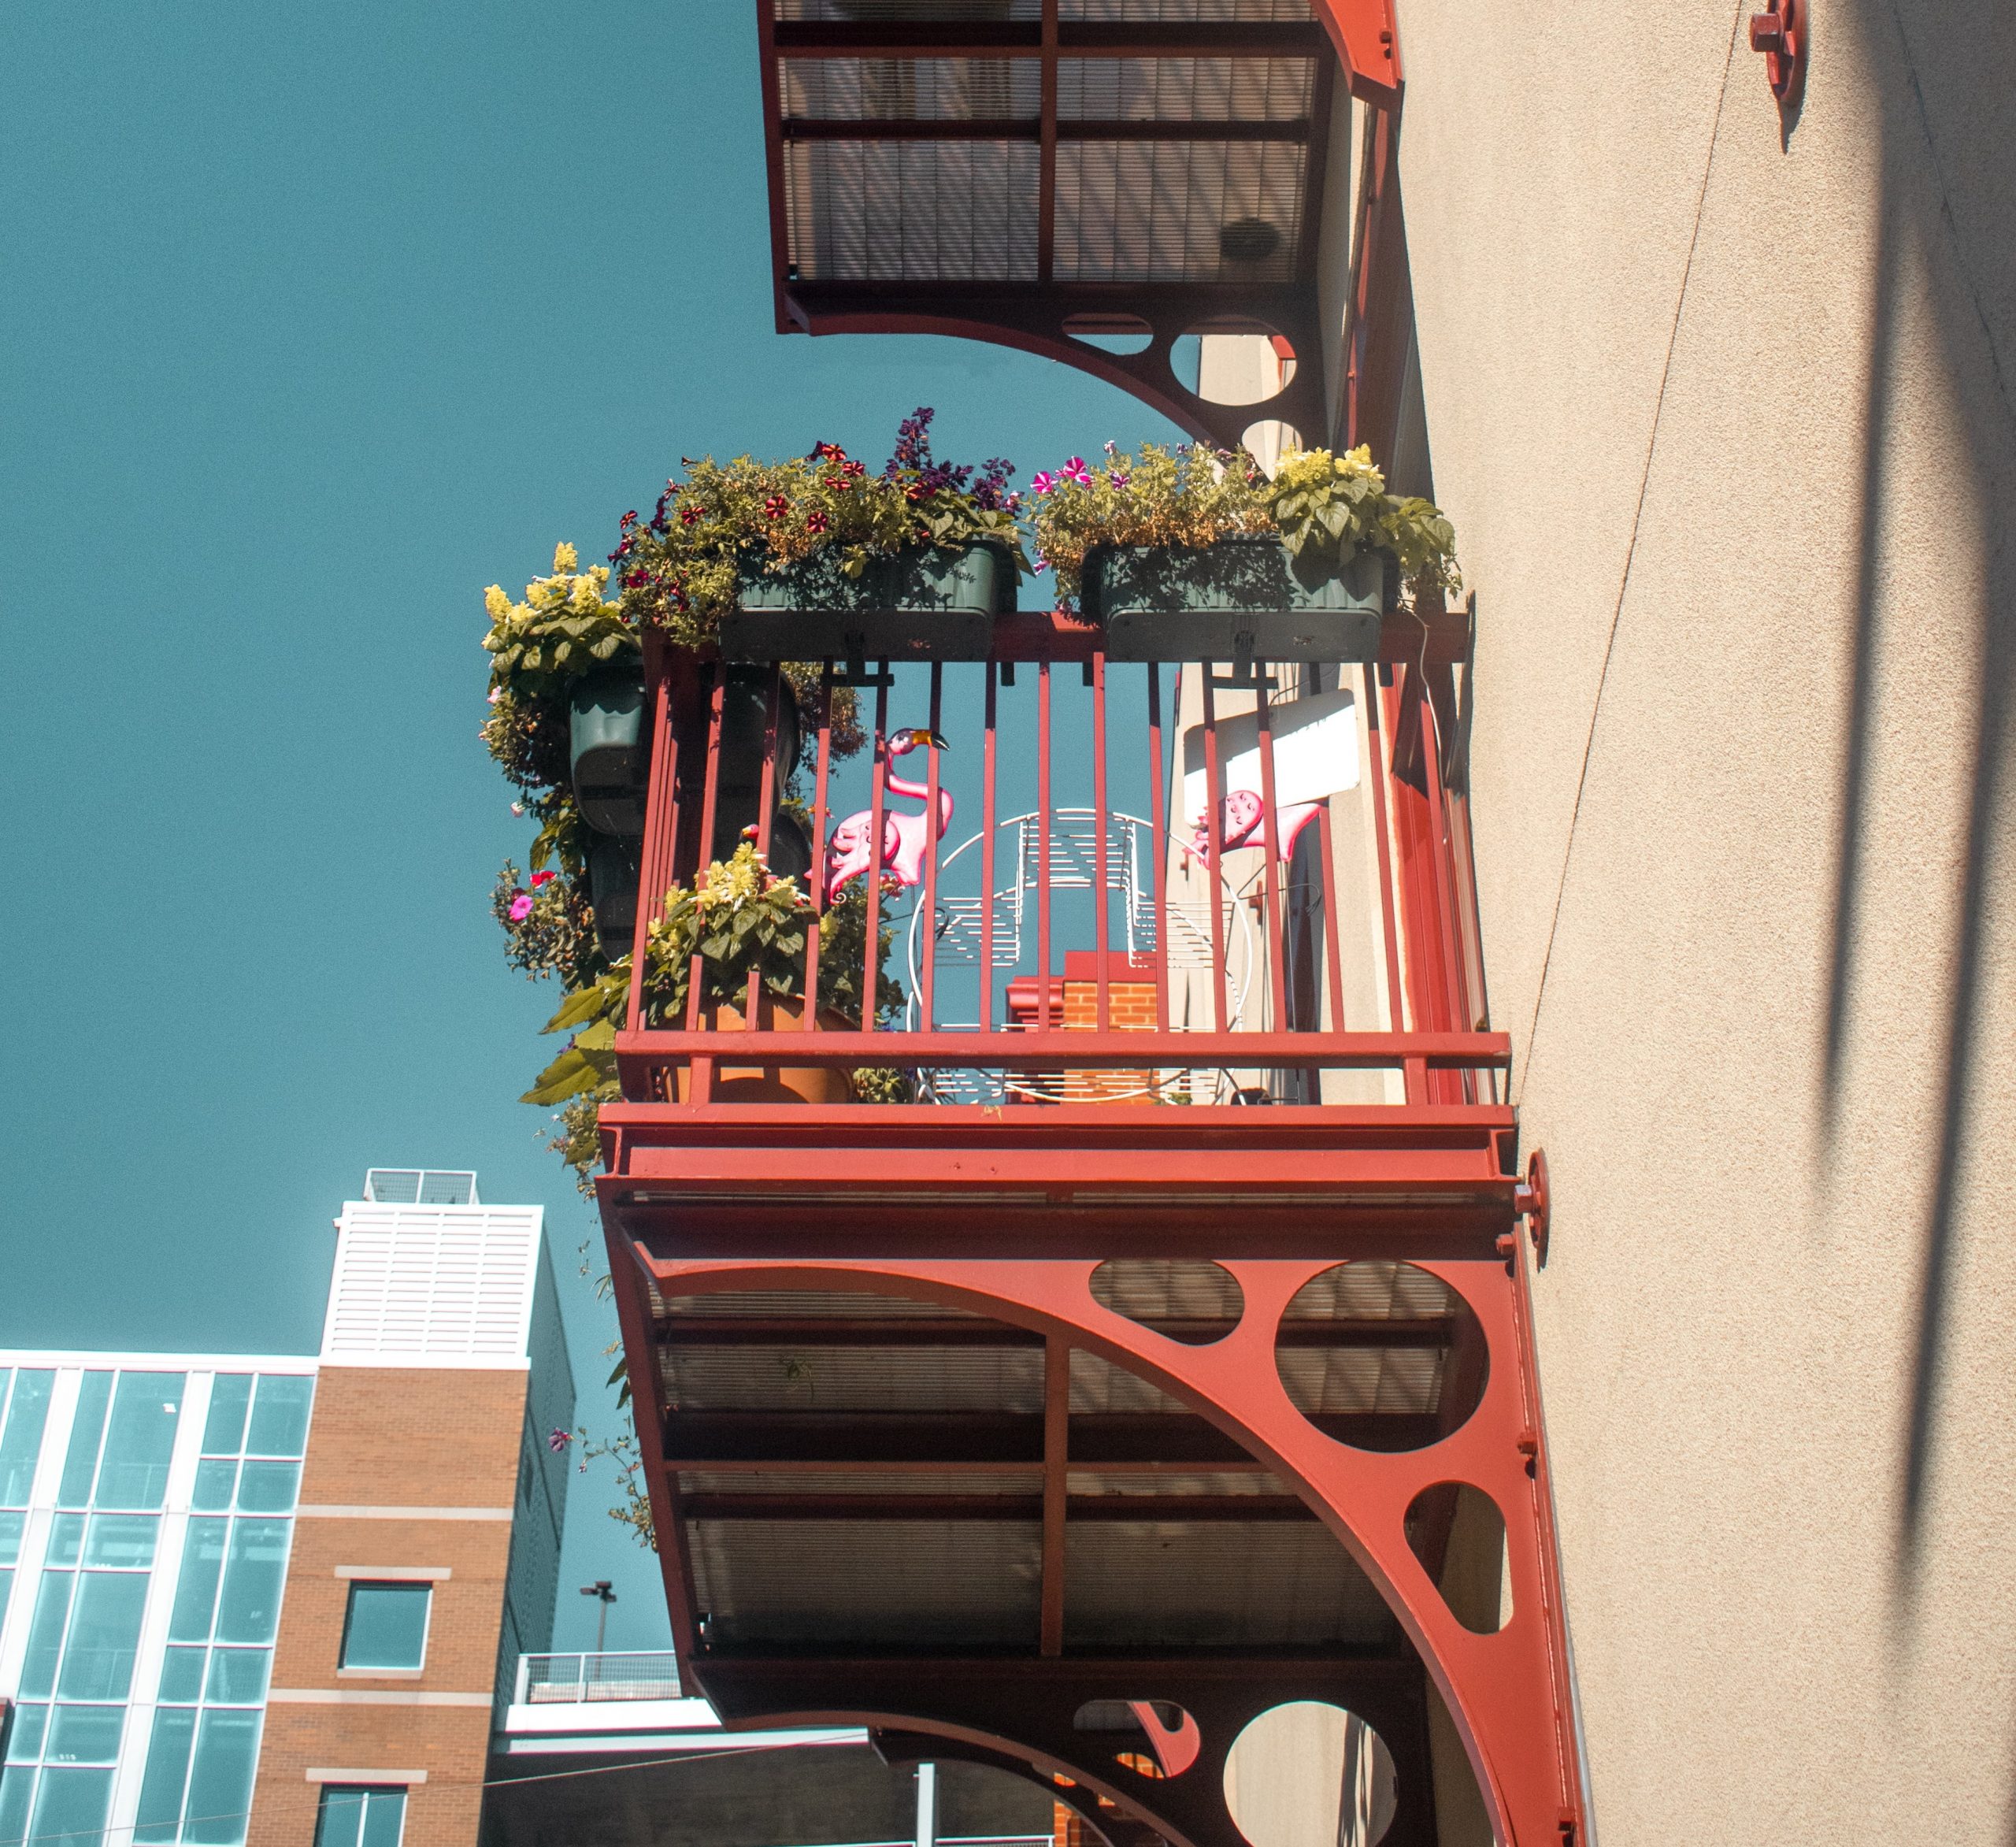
x=1508 y=1693
x=1032 y=317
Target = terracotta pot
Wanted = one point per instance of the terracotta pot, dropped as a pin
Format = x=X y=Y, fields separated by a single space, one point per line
x=816 y=1084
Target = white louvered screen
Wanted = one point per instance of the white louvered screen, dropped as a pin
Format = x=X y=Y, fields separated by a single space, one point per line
x=432 y=1286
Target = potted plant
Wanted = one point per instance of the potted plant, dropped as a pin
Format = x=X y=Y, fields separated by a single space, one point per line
x=743 y=919
x=1194 y=555
x=815 y=558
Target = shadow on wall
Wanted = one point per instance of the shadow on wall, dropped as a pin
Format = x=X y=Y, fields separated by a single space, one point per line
x=1944 y=169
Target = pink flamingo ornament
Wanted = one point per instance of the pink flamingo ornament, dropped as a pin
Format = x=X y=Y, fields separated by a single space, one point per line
x=1242 y=816
x=903 y=839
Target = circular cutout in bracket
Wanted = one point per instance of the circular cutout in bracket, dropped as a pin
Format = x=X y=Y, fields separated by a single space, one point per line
x=1189 y=1300
x=1306 y=1771
x=1381 y=1355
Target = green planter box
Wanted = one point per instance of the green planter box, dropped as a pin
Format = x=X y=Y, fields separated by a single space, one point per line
x=937 y=603
x=1241 y=598
x=609 y=751
x=613 y=872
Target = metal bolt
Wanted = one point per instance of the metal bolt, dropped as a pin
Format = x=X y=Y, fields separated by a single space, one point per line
x=1767 y=33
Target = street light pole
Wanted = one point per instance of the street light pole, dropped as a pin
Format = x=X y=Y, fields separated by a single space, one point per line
x=602 y=1591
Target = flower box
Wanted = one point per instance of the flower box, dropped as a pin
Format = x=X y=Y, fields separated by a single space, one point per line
x=934 y=602
x=609 y=751
x=1240 y=599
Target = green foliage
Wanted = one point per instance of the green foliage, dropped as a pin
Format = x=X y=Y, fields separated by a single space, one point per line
x=552 y=932
x=1330 y=507
x=744 y=919
x=680 y=571
x=1191 y=496
x=565 y=629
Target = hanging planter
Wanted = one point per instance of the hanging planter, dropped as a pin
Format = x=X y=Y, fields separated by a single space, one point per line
x=609 y=750
x=1244 y=598
x=927 y=602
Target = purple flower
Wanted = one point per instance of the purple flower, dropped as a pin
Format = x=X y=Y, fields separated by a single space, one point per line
x=1076 y=470
x=559 y=1440
x=521 y=907
x=1109 y=448
x=1043 y=481
x=1117 y=479
x=517 y=807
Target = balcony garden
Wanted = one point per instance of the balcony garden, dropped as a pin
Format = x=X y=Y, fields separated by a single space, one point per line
x=777 y=595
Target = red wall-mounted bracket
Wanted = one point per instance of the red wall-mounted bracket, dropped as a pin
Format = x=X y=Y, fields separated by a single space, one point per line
x=1779 y=33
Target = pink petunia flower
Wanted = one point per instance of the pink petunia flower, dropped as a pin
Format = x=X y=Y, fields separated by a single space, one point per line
x=1076 y=470
x=1118 y=479
x=1043 y=482
x=558 y=1440
x=521 y=907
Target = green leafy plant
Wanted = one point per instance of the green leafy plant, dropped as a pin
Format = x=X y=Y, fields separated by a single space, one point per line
x=679 y=571
x=1330 y=507
x=744 y=919
x=1323 y=504
x=549 y=927
x=1189 y=495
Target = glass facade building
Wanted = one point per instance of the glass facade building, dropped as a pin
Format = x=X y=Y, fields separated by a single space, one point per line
x=146 y=1510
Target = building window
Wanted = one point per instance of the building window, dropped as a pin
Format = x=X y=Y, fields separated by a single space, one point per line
x=349 y=1816
x=386 y=1626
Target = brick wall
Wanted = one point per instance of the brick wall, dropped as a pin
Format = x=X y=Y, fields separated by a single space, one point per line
x=406 y=1438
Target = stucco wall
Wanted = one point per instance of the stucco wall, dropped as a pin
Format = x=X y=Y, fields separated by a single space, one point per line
x=1723 y=416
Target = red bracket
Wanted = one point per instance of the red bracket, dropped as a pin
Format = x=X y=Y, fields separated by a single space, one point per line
x=1779 y=33
x=1533 y=1203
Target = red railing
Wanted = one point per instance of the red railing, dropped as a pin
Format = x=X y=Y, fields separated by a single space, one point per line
x=1236 y=965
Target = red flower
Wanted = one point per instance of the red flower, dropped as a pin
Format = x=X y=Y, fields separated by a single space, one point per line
x=817 y=522
x=776 y=507
x=691 y=516
x=541 y=878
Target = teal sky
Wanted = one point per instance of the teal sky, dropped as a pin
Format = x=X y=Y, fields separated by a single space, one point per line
x=316 y=321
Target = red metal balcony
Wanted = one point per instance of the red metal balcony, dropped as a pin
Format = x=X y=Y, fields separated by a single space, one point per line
x=1161 y=1353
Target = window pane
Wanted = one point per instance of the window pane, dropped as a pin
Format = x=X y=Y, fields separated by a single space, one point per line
x=126 y=1539
x=224 y=1434
x=196 y=1594
x=27 y=1412
x=140 y=1439
x=66 y=1539
x=339 y=1817
x=10 y=1536
x=250 y=1605
x=384 y=1816
x=181 y=1674
x=25 y=1742
x=85 y=1734
x=16 y=1786
x=279 y=1417
x=238 y=1676
x=216 y=1481
x=360 y=1817
x=386 y=1626
x=81 y=1463
x=220 y=1784
x=6 y=1590
x=269 y=1487
x=52 y=1607
x=168 y=1764
x=104 y=1631
x=70 y=1805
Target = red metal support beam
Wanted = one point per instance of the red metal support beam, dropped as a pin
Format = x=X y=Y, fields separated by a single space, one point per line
x=1052 y=1505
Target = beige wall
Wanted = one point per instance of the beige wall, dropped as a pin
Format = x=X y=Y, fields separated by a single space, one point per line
x=1725 y=429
